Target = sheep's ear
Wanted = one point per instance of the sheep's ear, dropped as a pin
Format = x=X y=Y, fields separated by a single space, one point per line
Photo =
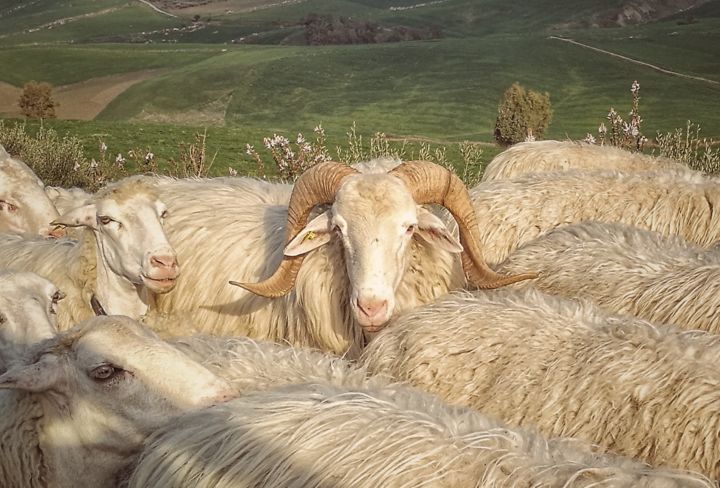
x=314 y=234
x=41 y=375
x=432 y=230
x=80 y=217
x=52 y=192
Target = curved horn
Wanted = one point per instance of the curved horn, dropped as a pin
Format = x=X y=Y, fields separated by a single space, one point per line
x=317 y=185
x=431 y=183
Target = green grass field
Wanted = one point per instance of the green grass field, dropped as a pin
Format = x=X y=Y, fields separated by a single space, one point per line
x=444 y=89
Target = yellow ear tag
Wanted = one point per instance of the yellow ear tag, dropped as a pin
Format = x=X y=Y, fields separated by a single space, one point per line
x=309 y=236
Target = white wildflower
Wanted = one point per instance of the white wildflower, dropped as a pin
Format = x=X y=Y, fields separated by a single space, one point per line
x=232 y=171
x=589 y=138
x=120 y=160
x=76 y=166
x=93 y=164
x=103 y=147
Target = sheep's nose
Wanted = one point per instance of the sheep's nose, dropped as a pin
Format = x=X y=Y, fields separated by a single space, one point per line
x=57 y=232
x=372 y=307
x=163 y=261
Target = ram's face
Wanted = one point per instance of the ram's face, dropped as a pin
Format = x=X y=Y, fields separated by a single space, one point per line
x=376 y=218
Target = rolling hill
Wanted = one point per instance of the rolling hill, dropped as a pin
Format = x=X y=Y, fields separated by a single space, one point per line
x=242 y=63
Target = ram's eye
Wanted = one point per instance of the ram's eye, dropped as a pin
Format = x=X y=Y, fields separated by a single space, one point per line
x=105 y=372
x=164 y=214
x=57 y=296
x=104 y=219
x=411 y=229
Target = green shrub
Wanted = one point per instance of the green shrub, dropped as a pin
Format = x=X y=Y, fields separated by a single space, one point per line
x=36 y=101
x=688 y=147
x=58 y=161
x=522 y=115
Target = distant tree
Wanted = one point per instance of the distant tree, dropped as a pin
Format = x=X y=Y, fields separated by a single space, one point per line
x=36 y=100
x=522 y=115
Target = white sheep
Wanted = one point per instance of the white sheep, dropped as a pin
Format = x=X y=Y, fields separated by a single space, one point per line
x=646 y=391
x=78 y=409
x=28 y=304
x=304 y=436
x=625 y=269
x=24 y=207
x=541 y=156
x=121 y=258
x=376 y=250
x=518 y=210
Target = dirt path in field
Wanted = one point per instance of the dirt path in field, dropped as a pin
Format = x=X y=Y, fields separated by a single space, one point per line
x=79 y=101
x=636 y=61
x=157 y=9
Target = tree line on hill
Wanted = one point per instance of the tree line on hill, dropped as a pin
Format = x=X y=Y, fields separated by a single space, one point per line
x=329 y=29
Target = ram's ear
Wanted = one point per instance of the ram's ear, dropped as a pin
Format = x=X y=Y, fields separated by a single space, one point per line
x=79 y=217
x=42 y=375
x=316 y=233
x=433 y=230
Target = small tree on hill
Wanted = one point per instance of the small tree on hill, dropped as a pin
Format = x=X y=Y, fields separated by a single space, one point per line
x=522 y=115
x=36 y=101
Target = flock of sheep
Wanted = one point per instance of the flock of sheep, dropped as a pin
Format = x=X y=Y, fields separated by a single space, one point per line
x=348 y=330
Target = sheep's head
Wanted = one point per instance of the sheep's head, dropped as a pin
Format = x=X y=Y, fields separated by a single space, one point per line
x=105 y=385
x=127 y=219
x=28 y=304
x=376 y=216
x=24 y=206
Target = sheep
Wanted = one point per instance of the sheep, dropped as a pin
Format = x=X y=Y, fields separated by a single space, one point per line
x=541 y=156
x=384 y=253
x=77 y=409
x=317 y=435
x=628 y=270
x=28 y=304
x=646 y=391
x=24 y=207
x=122 y=257
x=520 y=209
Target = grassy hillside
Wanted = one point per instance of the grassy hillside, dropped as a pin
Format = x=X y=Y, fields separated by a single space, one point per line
x=221 y=69
x=445 y=89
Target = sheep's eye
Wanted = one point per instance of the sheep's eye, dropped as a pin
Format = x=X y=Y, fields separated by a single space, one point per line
x=164 y=214
x=104 y=219
x=411 y=229
x=105 y=372
x=3 y=319
x=57 y=296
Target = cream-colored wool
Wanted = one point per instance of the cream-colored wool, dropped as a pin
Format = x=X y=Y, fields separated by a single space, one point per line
x=70 y=265
x=515 y=211
x=234 y=229
x=251 y=365
x=541 y=156
x=647 y=391
x=625 y=269
x=307 y=436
